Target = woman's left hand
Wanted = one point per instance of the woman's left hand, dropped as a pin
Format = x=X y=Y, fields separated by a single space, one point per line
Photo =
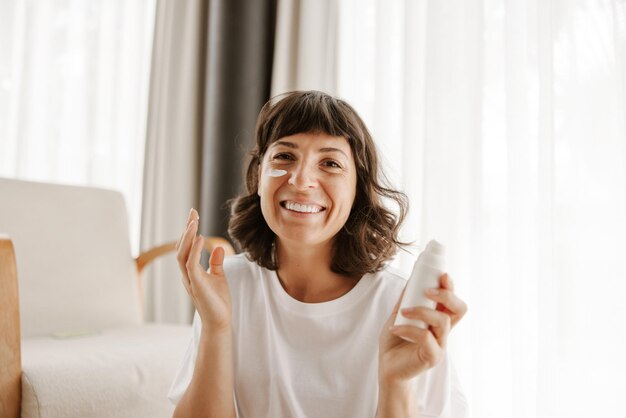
x=401 y=360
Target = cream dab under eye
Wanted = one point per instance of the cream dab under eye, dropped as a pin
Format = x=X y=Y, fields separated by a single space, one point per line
x=276 y=173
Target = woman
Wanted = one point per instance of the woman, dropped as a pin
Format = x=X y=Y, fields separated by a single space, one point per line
x=300 y=324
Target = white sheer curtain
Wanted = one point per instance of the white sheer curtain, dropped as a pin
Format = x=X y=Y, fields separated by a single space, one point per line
x=505 y=123
x=73 y=93
x=171 y=175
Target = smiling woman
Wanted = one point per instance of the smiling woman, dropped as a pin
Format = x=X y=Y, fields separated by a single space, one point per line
x=300 y=325
x=343 y=148
x=311 y=204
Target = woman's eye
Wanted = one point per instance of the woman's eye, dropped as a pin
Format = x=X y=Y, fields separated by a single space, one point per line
x=332 y=164
x=282 y=156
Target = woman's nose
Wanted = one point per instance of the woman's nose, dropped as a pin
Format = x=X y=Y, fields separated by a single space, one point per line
x=303 y=177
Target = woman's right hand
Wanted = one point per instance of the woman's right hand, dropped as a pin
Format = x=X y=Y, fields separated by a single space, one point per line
x=208 y=290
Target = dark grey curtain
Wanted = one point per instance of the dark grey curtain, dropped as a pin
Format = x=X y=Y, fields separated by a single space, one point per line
x=239 y=54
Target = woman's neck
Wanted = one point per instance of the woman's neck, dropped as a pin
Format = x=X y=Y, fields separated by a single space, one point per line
x=305 y=274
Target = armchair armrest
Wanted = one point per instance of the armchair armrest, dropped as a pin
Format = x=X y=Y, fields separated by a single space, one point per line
x=147 y=257
x=10 y=357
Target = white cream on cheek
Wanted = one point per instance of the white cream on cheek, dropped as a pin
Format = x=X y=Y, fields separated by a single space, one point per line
x=276 y=173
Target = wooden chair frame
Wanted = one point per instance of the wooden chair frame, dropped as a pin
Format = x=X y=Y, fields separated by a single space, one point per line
x=10 y=347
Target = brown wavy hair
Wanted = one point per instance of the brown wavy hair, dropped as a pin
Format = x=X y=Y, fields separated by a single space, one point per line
x=369 y=237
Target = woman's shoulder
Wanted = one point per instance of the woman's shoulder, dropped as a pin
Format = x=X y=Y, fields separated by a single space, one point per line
x=389 y=281
x=239 y=265
x=392 y=276
x=393 y=273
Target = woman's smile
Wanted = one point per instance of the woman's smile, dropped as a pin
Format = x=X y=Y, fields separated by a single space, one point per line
x=302 y=208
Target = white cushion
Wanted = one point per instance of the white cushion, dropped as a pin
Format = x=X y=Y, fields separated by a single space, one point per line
x=74 y=264
x=117 y=373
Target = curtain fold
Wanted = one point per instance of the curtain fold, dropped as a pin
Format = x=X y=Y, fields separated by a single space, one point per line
x=172 y=164
x=306 y=46
x=238 y=74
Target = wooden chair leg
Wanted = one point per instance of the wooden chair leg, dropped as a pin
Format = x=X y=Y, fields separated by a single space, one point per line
x=10 y=357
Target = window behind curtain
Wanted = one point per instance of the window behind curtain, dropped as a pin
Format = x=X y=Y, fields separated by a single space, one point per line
x=505 y=123
x=74 y=79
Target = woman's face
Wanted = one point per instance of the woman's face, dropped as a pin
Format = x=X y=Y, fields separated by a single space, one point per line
x=307 y=184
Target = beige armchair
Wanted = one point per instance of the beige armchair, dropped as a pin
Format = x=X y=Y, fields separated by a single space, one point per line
x=74 y=343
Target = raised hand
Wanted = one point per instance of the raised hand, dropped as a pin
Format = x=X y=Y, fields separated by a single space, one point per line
x=208 y=289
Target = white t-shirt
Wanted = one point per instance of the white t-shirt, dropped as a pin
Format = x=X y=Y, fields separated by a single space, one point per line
x=295 y=359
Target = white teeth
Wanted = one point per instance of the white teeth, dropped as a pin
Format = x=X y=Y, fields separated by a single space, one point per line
x=302 y=208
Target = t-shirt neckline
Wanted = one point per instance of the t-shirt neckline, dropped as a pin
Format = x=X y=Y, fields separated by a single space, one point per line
x=321 y=308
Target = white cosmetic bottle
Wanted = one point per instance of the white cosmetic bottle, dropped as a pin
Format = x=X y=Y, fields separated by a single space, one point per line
x=430 y=265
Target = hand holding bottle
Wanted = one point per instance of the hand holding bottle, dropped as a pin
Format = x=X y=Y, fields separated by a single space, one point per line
x=423 y=316
x=430 y=265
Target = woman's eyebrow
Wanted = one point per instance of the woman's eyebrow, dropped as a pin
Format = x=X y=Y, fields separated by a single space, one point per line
x=330 y=149
x=285 y=143
x=325 y=149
